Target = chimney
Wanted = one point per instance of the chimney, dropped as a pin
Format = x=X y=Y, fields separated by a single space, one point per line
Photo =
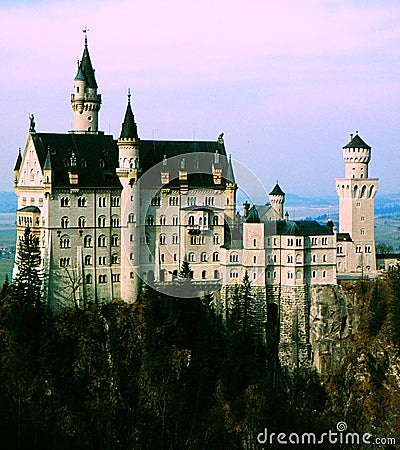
x=246 y=206
x=286 y=216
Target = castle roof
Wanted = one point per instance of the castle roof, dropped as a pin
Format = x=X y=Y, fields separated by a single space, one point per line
x=357 y=142
x=18 y=161
x=302 y=228
x=87 y=70
x=30 y=209
x=341 y=237
x=253 y=216
x=277 y=190
x=96 y=156
x=129 y=127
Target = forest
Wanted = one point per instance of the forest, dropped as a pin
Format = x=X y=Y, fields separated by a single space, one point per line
x=171 y=373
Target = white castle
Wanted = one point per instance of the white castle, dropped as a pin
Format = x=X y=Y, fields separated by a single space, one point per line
x=111 y=212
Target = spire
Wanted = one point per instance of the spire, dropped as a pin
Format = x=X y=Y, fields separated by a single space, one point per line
x=86 y=65
x=47 y=163
x=277 y=190
x=18 y=161
x=129 y=127
x=357 y=142
x=230 y=177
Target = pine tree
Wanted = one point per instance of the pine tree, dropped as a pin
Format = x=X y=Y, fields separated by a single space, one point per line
x=186 y=271
x=27 y=284
x=6 y=287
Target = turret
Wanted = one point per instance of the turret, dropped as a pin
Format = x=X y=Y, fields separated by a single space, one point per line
x=356 y=156
x=85 y=101
x=277 y=200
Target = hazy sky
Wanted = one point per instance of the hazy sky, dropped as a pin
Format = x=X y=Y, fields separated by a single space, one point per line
x=285 y=80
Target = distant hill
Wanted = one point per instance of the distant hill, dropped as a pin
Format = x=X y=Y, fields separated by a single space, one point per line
x=8 y=202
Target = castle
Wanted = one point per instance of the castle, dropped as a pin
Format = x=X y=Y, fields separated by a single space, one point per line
x=111 y=212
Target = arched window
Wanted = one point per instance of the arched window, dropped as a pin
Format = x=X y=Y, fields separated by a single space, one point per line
x=162 y=220
x=215 y=256
x=233 y=257
x=254 y=242
x=150 y=220
x=87 y=242
x=324 y=257
x=254 y=259
x=64 y=222
x=131 y=217
x=81 y=222
x=204 y=274
x=101 y=221
x=175 y=239
x=191 y=220
x=234 y=274
x=115 y=241
x=191 y=257
x=102 y=241
x=115 y=221
x=65 y=241
x=102 y=279
x=203 y=257
x=216 y=274
x=88 y=260
x=88 y=279
x=82 y=202
x=163 y=239
x=216 y=239
x=215 y=220
x=114 y=259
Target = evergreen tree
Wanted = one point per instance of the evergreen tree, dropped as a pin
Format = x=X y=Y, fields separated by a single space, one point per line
x=6 y=287
x=27 y=284
x=186 y=271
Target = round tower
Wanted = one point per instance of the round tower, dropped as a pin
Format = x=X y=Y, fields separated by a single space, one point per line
x=85 y=101
x=277 y=200
x=356 y=156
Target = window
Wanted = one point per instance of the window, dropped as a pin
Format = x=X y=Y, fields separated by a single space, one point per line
x=358 y=249
x=324 y=274
x=81 y=222
x=87 y=241
x=215 y=220
x=274 y=258
x=362 y=218
x=290 y=241
x=209 y=201
x=101 y=221
x=290 y=275
x=64 y=202
x=314 y=274
x=144 y=240
x=191 y=257
x=162 y=220
x=132 y=237
x=173 y=201
x=204 y=274
x=216 y=239
x=131 y=275
x=115 y=277
x=163 y=239
x=339 y=250
x=233 y=257
x=324 y=241
x=102 y=241
x=65 y=242
x=203 y=257
x=175 y=257
x=367 y=249
x=88 y=260
x=175 y=239
x=155 y=201
x=132 y=256
x=102 y=202
x=150 y=220
x=191 y=220
x=115 y=221
x=268 y=242
x=82 y=202
x=114 y=258
x=102 y=279
x=102 y=260
x=314 y=241
x=175 y=220
x=290 y=259
x=314 y=258
x=115 y=201
x=115 y=241
x=162 y=257
x=215 y=256
x=362 y=232
x=254 y=242
x=40 y=202
x=64 y=262
x=299 y=242
x=191 y=201
x=23 y=201
x=234 y=274
x=64 y=222
x=324 y=257
x=88 y=279
x=131 y=217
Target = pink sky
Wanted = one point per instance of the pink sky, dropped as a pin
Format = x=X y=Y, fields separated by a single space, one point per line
x=286 y=81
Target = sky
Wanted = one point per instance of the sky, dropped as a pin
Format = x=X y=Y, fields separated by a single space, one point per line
x=287 y=81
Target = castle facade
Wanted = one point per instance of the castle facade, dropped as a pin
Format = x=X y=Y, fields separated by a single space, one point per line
x=112 y=212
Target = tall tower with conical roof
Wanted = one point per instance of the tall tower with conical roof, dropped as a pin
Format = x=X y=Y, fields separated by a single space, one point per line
x=128 y=172
x=85 y=101
x=356 y=209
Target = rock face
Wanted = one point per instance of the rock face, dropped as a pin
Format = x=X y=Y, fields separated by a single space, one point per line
x=334 y=318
